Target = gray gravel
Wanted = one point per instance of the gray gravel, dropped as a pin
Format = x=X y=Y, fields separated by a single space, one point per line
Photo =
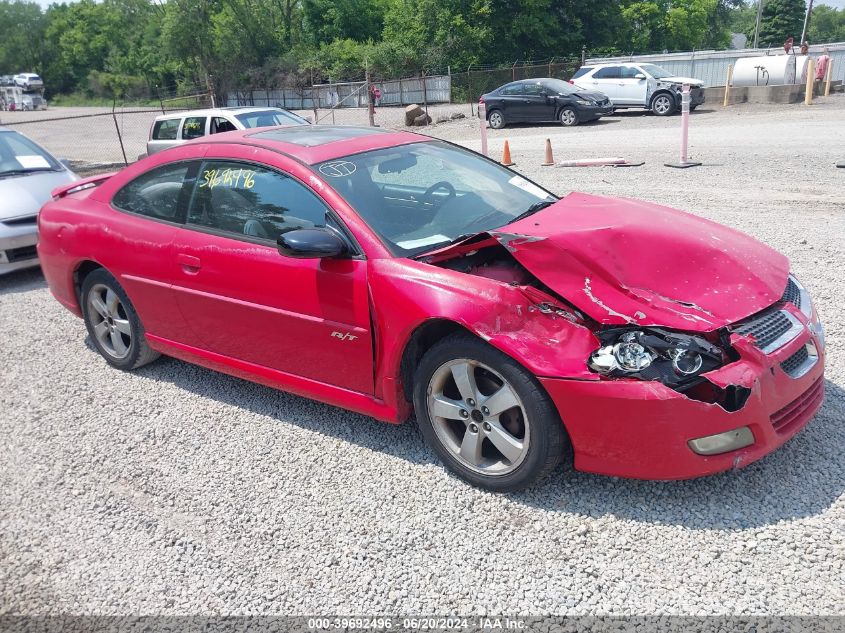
x=176 y=490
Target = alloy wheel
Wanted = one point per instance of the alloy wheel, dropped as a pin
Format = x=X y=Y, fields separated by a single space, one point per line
x=662 y=104
x=568 y=117
x=478 y=416
x=496 y=120
x=109 y=321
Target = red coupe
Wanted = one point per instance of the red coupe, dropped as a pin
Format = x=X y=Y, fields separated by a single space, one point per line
x=390 y=273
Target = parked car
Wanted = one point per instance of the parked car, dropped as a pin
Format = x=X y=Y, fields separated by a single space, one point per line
x=169 y=130
x=7 y=80
x=631 y=85
x=28 y=81
x=544 y=100
x=28 y=173
x=389 y=272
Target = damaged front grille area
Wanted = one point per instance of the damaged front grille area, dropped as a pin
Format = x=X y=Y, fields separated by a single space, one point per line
x=792 y=294
x=798 y=411
x=772 y=330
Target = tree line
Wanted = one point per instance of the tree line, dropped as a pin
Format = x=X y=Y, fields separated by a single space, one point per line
x=131 y=48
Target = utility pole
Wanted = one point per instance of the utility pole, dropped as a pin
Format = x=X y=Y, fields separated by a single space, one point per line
x=757 y=27
x=806 y=22
x=369 y=88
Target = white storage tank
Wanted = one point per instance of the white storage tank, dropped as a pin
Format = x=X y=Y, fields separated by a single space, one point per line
x=768 y=70
x=801 y=63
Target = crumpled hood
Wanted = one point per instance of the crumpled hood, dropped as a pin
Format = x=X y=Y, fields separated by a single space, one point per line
x=624 y=261
x=26 y=194
x=682 y=80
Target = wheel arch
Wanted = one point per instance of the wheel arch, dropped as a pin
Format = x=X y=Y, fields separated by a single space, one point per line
x=82 y=270
x=662 y=91
x=423 y=337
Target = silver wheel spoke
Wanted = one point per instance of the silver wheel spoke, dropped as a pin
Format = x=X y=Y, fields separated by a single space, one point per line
x=123 y=326
x=507 y=444
x=98 y=305
x=444 y=407
x=464 y=375
x=112 y=302
x=101 y=331
x=471 y=447
x=118 y=344
x=501 y=401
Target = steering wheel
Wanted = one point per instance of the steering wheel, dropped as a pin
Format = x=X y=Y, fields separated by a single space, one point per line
x=428 y=196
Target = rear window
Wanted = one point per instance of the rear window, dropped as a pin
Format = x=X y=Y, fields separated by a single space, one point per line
x=269 y=118
x=610 y=72
x=194 y=127
x=582 y=71
x=166 y=130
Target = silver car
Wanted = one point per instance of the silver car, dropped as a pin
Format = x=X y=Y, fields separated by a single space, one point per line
x=28 y=174
x=169 y=130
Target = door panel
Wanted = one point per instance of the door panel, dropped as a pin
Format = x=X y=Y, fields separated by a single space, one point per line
x=307 y=317
x=630 y=90
x=242 y=299
x=138 y=247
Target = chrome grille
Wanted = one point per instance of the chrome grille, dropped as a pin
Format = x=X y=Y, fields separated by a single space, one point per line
x=794 y=362
x=772 y=330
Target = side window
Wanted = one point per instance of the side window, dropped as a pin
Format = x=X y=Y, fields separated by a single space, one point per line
x=534 y=90
x=219 y=124
x=510 y=91
x=157 y=193
x=244 y=199
x=629 y=72
x=166 y=130
x=194 y=127
x=609 y=72
x=582 y=71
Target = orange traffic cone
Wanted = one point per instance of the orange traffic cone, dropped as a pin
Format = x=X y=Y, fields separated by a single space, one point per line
x=550 y=159
x=506 y=156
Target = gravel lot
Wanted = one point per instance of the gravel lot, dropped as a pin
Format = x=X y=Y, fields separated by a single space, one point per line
x=176 y=490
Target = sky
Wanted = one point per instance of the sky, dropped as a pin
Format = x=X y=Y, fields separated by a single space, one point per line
x=839 y=4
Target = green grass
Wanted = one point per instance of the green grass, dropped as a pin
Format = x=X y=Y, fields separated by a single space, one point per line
x=82 y=100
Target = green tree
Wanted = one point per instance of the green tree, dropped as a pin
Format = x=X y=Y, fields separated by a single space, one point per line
x=827 y=24
x=781 y=20
x=21 y=37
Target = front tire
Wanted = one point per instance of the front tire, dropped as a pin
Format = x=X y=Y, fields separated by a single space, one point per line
x=486 y=417
x=113 y=324
x=568 y=117
x=663 y=104
x=496 y=120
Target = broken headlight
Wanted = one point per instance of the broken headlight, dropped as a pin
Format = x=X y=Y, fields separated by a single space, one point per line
x=654 y=354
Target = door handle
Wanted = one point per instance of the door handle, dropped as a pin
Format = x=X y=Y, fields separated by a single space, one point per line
x=189 y=263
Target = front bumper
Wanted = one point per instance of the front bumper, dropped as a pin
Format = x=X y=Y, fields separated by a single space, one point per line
x=638 y=429
x=586 y=113
x=17 y=247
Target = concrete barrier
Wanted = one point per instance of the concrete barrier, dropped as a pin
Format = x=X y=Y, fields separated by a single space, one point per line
x=765 y=94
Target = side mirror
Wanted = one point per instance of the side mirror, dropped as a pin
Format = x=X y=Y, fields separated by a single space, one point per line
x=639 y=76
x=311 y=244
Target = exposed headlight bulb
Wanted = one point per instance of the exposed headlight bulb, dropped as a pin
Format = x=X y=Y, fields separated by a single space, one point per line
x=684 y=361
x=630 y=354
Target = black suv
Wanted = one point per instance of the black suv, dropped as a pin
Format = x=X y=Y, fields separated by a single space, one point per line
x=544 y=100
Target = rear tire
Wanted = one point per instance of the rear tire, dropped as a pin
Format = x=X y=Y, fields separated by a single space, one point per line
x=112 y=323
x=663 y=104
x=496 y=119
x=568 y=117
x=471 y=399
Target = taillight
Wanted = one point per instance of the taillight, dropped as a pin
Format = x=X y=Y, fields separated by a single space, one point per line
x=481 y=100
x=572 y=82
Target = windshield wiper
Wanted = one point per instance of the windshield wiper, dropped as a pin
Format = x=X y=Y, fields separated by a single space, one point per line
x=537 y=206
x=19 y=172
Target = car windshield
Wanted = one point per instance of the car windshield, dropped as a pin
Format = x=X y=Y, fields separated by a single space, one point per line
x=268 y=118
x=422 y=196
x=656 y=71
x=561 y=87
x=19 y=155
